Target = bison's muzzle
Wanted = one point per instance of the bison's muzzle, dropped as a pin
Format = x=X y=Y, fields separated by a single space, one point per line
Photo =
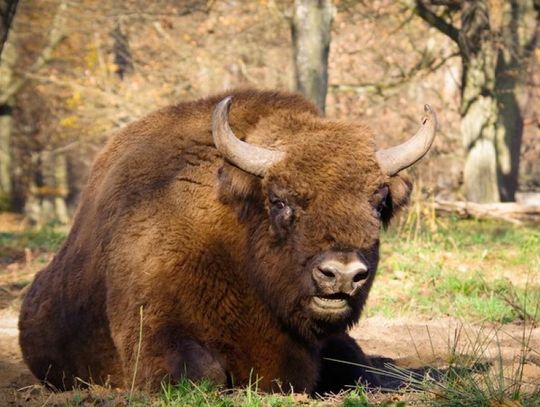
x=338 y=277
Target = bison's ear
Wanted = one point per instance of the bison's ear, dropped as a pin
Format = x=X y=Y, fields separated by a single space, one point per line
x=240 y=190
x=400 y=188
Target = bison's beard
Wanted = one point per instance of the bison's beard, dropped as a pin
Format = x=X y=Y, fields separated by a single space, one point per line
x=298 y=316
x=327 y=320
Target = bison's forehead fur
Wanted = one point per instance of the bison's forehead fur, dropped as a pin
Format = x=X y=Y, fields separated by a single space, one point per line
x=321 y=155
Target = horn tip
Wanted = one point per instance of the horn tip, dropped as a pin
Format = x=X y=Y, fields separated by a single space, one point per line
x=429 y=114
x=225 y=104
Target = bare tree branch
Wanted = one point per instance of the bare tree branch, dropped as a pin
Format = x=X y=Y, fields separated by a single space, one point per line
x=423 y=66
x=436 y=21
x=454 y=4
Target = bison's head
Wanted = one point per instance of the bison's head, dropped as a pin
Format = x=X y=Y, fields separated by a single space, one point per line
x=314 y=202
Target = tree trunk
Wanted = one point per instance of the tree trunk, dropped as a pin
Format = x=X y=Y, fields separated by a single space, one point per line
x=510 y=129
x=311 y=26
x=7 y=12
x=521 y=31
x=479 y=111
x=46 y=201
x=6 y=127
x=122 y=52
x=509 y=211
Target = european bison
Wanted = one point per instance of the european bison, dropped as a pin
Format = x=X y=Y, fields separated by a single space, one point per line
x=228 y=238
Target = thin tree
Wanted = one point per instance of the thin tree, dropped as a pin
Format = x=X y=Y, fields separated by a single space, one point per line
x=7 y=13
x=495 y=39
x=122 y=52
x=311 y=26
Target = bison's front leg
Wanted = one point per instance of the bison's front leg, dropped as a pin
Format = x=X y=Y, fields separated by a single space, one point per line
x=189 y=359
x=343 y=365
x=168 y=355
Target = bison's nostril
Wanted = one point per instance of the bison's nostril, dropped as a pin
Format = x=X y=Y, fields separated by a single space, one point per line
x=327 y=272
x=361 y=275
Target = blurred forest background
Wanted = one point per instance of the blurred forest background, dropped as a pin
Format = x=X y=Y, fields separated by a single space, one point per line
x=74 y=71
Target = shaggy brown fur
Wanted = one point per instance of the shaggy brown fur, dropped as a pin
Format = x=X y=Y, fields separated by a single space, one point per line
x=222 y=277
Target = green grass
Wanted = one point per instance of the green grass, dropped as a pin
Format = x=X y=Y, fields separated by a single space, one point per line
x=24 y=253
x=45 y=239
x=187 y=393
x=357 y=397
x=5 y=203
x=475 y=270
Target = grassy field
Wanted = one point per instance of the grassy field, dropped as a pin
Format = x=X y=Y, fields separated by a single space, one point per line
x=485 y=273
x=475 y=270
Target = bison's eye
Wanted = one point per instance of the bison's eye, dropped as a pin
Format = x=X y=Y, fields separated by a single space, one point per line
x=282 y=216
x=380 y=208
x=280 y=209
x=278 y=204
x=379 y=201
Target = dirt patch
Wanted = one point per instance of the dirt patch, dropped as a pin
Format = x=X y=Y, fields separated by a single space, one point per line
x=418 y=344
x=14 y=376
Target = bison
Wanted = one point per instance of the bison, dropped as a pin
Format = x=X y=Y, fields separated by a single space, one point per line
x=227 y=238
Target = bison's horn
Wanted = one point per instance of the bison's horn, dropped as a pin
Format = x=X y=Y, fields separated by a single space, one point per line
x=394 y=159
x=253 y=159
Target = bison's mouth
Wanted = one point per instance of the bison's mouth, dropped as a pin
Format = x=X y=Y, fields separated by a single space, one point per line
x=332 y=304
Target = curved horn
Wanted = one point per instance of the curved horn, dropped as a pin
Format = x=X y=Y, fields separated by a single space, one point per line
x=253 y=159
x=394 y=159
